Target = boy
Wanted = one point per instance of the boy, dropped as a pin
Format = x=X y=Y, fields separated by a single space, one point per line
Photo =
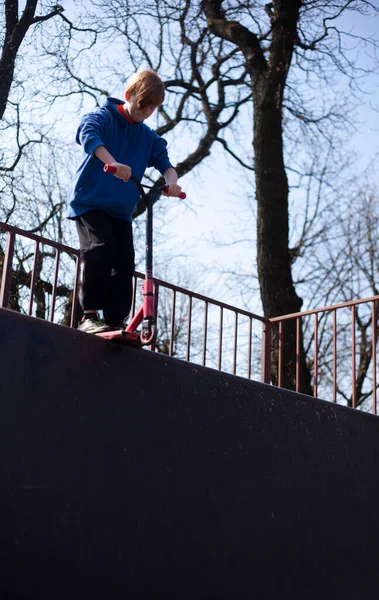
x=102 y=205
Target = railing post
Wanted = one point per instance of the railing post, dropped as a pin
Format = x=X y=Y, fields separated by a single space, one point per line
x=266 y=352
x=7 y=270
x=75 y=291
x=172 y=325
x=373 y=354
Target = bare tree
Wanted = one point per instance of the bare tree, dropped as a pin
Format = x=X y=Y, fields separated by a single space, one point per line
x=348 y=268
x=199 y=97
x=273 y=38
x=15 y=32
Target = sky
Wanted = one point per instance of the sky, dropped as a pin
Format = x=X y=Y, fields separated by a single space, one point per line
x=220 y=203
x=224 y=201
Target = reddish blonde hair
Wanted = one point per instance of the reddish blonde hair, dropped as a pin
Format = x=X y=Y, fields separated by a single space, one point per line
x=147 y=88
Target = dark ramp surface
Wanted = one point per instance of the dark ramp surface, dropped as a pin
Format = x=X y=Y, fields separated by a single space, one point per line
x=126 y=474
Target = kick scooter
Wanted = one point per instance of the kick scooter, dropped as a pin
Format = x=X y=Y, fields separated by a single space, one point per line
x=145 y=314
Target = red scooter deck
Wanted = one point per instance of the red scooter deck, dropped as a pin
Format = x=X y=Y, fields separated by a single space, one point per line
x=122 y=337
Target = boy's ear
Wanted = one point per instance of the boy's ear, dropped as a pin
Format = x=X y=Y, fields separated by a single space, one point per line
x=127 y=95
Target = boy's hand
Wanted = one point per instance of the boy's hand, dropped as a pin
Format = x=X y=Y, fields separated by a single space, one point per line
x=173 y=189
x=123 y=171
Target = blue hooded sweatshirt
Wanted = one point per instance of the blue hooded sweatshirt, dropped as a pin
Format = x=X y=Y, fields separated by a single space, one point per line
x=132 y=144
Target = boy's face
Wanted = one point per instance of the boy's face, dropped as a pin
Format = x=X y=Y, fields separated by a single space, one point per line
x=137 y=114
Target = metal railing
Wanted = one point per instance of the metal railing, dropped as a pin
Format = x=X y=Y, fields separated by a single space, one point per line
x=7 y=258
x=231 y=339
x=330 y=336
x=205 y=331
x=218 y=341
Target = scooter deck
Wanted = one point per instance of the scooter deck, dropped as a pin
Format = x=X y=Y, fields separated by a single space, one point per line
x=122 y=337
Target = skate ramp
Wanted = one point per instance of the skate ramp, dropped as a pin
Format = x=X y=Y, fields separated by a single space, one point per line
x=127 y=474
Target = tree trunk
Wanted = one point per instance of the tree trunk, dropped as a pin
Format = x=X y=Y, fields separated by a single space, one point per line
x=268 y=79
x=273 y=259
x=15 y=32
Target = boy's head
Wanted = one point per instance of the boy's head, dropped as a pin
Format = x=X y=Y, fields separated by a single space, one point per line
x=146 y=89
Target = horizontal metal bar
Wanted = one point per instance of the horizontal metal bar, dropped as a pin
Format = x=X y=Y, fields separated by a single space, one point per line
x=324 y=309
x=38 y=238
x=180 y=290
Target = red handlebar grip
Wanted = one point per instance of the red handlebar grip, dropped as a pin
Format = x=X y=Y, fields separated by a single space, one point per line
x=182 y=195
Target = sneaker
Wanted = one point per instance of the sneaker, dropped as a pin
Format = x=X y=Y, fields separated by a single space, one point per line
x=93 y=325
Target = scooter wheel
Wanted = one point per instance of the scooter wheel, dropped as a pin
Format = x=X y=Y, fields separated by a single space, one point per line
x=148 y=337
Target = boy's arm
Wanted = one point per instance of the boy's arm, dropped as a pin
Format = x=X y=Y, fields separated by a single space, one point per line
x=171 y=178
x=123 y=171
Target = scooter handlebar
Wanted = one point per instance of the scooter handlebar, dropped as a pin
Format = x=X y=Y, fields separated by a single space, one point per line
x=112 y=171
